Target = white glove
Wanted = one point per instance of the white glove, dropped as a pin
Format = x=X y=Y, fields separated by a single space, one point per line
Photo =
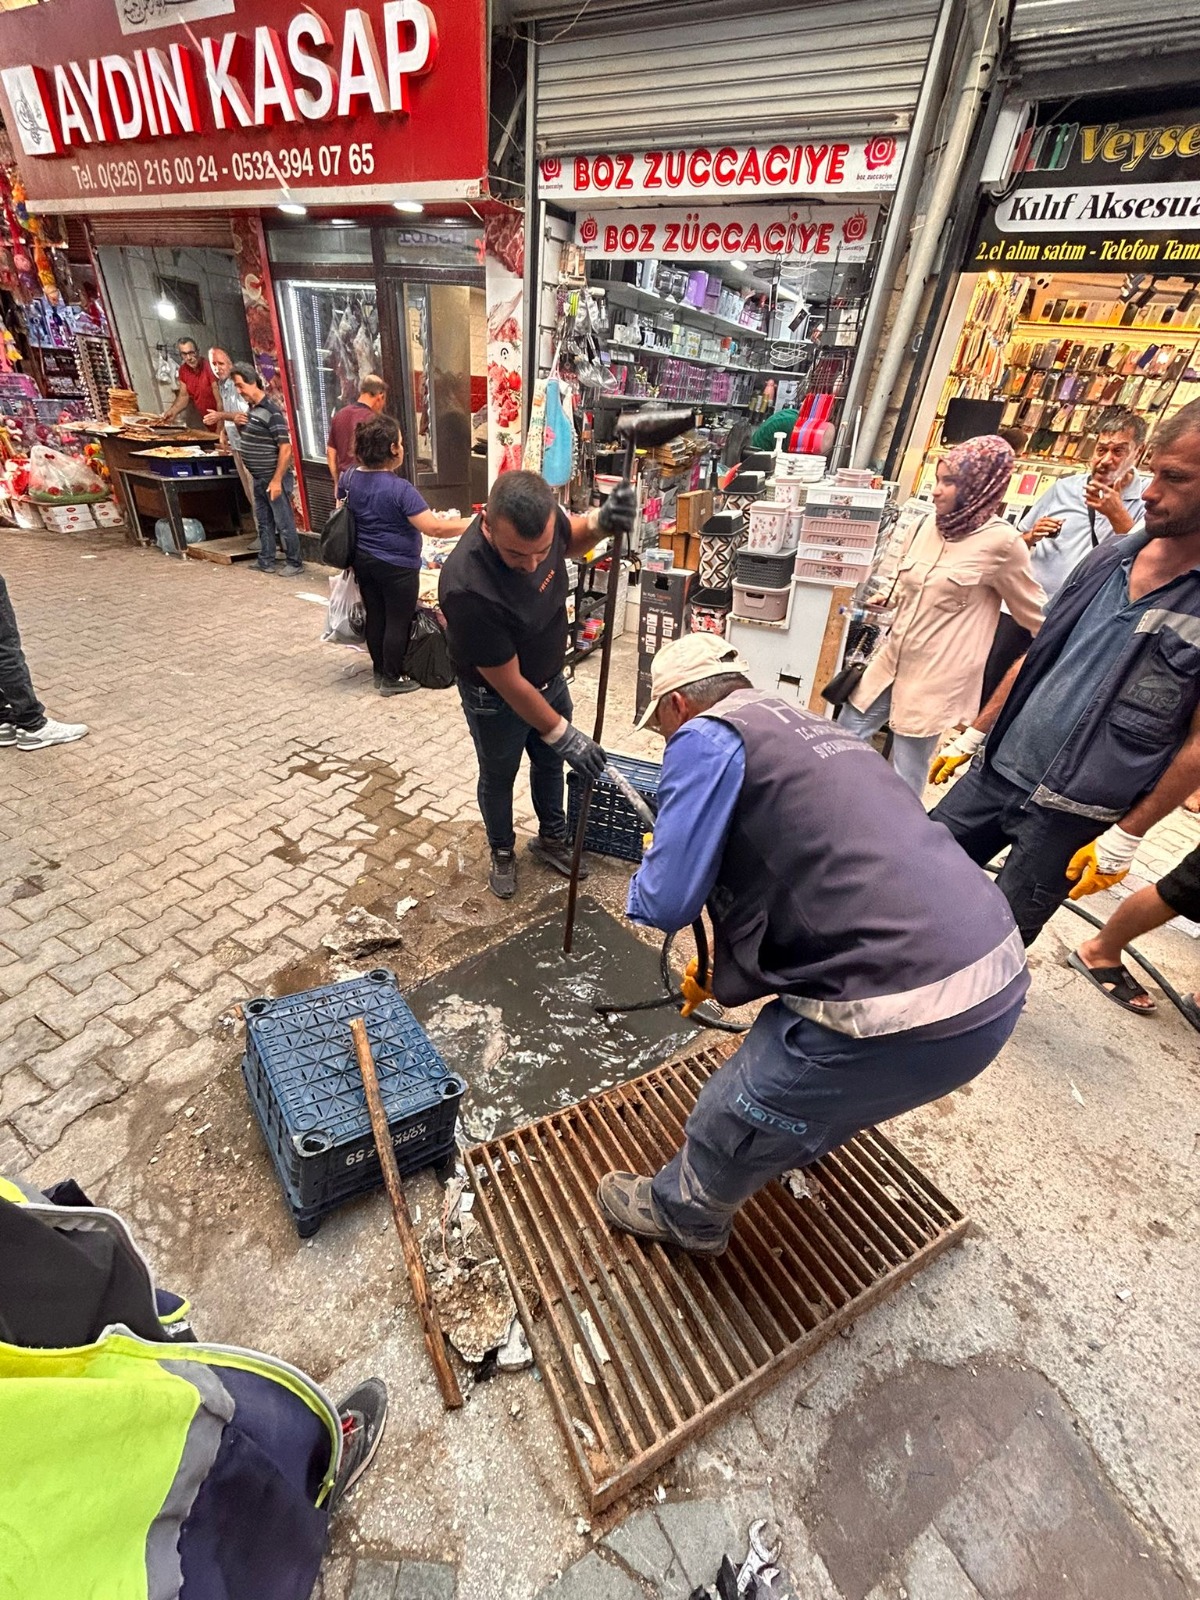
x=1115 y=849
x=955 y=754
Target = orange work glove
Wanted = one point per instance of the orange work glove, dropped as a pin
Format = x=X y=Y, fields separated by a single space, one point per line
x=693 y=993
x=1103 y=862
x=959 y=751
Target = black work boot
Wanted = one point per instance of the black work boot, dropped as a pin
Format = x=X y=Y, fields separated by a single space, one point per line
x=502 y=879
x=557 y=853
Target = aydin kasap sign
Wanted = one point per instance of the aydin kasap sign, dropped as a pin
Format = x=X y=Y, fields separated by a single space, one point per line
x=287 y=98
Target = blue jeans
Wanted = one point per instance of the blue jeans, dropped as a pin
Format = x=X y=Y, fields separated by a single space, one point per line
x=985 y=812
x=794 y=1091
x=500 y=738
x=911 y=757
x=273 y=517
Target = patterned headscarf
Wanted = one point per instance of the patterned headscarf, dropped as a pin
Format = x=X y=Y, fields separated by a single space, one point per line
x=980 y=470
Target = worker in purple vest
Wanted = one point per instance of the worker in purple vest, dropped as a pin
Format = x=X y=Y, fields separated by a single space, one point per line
x=895 y=965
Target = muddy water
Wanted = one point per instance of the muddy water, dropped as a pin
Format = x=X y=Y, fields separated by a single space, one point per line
x=517 y=1021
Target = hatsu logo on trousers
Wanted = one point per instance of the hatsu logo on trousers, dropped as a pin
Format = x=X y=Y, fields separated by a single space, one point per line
x=257 y=79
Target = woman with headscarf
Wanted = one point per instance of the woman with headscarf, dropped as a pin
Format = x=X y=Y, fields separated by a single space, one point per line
x=960 y=563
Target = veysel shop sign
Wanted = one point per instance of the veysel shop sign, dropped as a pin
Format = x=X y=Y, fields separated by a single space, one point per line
x=1099 y=194
x=289 y=97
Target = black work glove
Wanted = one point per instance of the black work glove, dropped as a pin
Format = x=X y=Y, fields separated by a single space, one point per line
x=580 y=752
x=618 y=514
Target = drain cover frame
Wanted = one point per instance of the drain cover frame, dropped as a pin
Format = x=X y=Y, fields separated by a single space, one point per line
x=675 y=1343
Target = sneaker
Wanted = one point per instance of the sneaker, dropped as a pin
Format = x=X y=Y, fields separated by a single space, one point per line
x=502 y=879
x=389 y=686
x=364 y=1417
x=8 y=733
x=50 y=732
x=290 y=571
x=557 y=853
x=627 y=1202
x=259 y=567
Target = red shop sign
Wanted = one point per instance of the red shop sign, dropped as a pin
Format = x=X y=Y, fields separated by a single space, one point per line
x=192 y=100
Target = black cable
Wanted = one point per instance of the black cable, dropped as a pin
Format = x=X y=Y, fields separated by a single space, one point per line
x=673 y=997
x=1131 y=951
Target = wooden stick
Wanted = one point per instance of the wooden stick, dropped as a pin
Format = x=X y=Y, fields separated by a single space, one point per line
x=434 y=1342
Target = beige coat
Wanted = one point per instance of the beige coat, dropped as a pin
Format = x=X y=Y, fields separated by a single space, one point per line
x=947 y=598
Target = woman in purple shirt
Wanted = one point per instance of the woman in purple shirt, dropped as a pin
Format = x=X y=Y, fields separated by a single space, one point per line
x=389 y=518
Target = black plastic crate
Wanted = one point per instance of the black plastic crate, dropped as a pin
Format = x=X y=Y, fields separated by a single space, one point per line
x=765 y=572
x=614 y=827
x=304 y=1082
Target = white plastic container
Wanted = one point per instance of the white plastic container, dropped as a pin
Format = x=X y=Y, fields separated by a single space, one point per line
x=836 y=553
x=760 y=605
x=826 y=497
x=769 y=526
x=831 y=570
x=791 y=492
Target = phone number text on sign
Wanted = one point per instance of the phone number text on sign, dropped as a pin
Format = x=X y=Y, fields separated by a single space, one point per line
x=793 y=233
x=151 y=174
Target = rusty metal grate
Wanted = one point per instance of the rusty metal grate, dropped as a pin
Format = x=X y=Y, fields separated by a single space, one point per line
x=689 y=1339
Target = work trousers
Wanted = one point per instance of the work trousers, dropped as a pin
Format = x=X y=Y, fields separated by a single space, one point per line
x=275 y=518
x=985 y=812
x=18 y=703
x=911 y=756
x=390 y=601
x=794 y=1091
x=501 y=737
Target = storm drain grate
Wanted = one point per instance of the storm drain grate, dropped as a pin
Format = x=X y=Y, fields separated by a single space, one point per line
x=642 y=1348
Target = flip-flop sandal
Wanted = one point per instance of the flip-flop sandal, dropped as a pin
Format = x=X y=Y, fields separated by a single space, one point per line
x=1190 y=1010
x=1125 y=986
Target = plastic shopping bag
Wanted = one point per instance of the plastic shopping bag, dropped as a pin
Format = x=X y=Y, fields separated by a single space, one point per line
x=558 y=448
x=57 y=477
x=346 y=622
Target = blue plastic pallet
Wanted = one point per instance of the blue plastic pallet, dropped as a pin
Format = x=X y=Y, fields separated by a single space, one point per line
x=614 y=827
x=304 y=1084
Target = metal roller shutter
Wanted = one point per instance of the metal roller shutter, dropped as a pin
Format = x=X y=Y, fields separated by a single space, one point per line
x=701 y=73
x=164 y=230
x=1123 y=46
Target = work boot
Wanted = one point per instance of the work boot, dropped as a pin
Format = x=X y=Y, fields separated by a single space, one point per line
x=502 y=879
x=628 y=1204
x=49 y=733
x=363 y=1415
x=557 y=853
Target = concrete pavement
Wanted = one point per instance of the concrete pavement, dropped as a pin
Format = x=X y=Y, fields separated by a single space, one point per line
x=1031 y=1398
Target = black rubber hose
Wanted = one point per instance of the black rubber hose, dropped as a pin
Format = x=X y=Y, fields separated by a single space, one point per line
x=1132 y=952
x=672 y=996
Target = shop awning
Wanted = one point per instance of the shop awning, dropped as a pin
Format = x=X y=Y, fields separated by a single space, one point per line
x=638 y=77
x=1119 y=46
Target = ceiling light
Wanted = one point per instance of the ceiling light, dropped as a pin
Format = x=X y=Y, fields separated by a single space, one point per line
x=341 y=222
x=738 y=264
x=412 y=208
x=292 y=208
x=165 y=309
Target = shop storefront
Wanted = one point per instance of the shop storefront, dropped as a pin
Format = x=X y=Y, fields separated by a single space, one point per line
x=1080 y=291
x=303 y=185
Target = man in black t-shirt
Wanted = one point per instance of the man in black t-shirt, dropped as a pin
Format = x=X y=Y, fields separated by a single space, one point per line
x=503 y=592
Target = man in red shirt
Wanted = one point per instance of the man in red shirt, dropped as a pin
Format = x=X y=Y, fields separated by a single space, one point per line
x=197 y=385
x=372 y=397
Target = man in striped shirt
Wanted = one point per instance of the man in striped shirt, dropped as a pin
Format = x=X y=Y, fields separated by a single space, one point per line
x=267 y=452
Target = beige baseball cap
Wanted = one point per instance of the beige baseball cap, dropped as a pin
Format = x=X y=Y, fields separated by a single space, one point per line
x=689 y=660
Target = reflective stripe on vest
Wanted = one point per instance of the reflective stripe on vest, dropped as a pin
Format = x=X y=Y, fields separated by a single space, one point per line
x=918 y=1008
x=1180 y=622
